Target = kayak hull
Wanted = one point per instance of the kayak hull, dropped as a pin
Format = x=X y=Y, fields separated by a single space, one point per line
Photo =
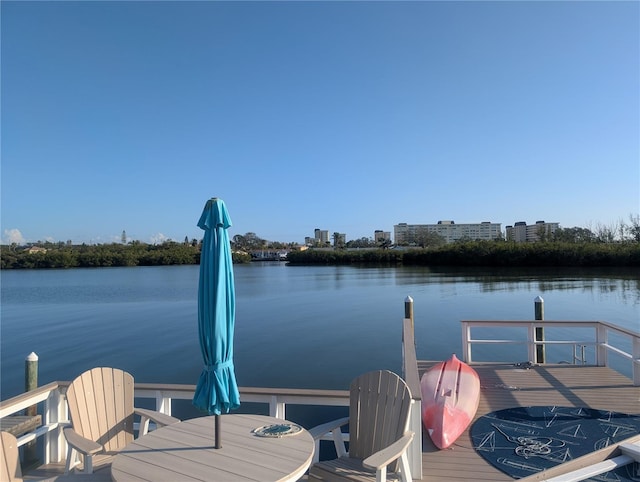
x=450 y=397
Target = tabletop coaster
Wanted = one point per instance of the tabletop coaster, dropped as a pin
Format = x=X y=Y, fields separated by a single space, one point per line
x=278 y=430
x=525 y=440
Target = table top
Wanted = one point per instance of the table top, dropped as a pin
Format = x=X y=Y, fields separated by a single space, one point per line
x=185 y=451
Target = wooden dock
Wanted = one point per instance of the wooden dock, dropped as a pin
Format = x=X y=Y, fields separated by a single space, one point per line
x=505 y=386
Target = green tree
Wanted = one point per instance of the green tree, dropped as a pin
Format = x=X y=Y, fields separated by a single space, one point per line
x=363 y=242
x=573 y=235
x=338 y=240
x=605 y=234
x=248 y=242
x=238 y=242
x=633 y=229
x=427 y=239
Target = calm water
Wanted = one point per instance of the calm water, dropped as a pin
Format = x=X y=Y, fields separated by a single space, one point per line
x=307 y=327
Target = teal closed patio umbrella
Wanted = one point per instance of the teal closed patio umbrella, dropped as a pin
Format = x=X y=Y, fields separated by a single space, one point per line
x=217 y=390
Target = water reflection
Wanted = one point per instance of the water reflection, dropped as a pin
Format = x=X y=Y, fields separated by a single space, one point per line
x=625 y=282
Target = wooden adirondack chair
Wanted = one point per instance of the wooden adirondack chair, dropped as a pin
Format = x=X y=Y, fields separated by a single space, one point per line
x=10 y=470
x=101 y=407
x=378 y=419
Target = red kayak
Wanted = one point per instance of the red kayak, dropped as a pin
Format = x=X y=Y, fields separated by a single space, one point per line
x=450 y=397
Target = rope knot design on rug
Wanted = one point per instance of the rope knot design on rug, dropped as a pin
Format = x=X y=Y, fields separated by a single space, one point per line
x=524 y=440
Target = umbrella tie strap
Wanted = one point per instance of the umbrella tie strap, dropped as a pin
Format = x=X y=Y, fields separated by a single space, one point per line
x=218 y=366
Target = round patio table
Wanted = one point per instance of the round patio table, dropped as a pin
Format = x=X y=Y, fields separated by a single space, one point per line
x=185 y=451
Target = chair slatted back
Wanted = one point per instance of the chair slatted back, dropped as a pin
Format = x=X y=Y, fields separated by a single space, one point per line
x=378 y=413
x=101 y=406
x=9 y=458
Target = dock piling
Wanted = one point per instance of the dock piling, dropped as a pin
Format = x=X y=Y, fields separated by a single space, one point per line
x=538 y=304
x=30 y=383
x=408 y=309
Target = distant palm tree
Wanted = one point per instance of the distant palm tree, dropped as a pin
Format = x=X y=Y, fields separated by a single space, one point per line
x=338 y=240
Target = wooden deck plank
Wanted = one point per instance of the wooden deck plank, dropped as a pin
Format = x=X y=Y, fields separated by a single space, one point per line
x=505 y=386
x=55 y=472
x=20 y=424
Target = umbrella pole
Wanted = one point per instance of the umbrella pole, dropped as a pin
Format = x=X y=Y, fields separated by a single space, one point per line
x=217 y=441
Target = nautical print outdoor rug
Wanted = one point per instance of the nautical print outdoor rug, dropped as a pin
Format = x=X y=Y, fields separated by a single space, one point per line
x=525 y=440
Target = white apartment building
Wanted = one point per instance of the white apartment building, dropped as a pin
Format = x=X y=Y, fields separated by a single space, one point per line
x=320 y=238
x=404 y=233
x=379 y=236
x=521 y=232
x=321 y=235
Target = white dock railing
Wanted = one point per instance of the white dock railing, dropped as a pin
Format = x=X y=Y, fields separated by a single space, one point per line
x=601 y=339
x=53 y=406
x=52 y=403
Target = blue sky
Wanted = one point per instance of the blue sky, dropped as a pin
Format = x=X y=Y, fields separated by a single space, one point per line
x=345 y=116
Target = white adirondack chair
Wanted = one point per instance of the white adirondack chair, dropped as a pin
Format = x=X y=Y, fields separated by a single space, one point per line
x=379 y=404
x=9 y=458
x=101 y=407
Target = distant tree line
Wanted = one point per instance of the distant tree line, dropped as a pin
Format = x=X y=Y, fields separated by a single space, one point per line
x=482 y=253
x=615 y=245
x=616 y=233
x=135 y=253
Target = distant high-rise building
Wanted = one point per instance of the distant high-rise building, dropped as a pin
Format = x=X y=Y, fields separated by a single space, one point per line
x=521 y=232
x=379 y=235
x=404 y=233
x=321 y=236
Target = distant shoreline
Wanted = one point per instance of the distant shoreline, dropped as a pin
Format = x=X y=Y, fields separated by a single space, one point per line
x=472 y=253
x=484 y=253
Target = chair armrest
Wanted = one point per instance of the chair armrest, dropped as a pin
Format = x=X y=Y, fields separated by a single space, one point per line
x=338 y=440
x=81 y=444
x=160 y=419
x=384 y=457
x=320 y=430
